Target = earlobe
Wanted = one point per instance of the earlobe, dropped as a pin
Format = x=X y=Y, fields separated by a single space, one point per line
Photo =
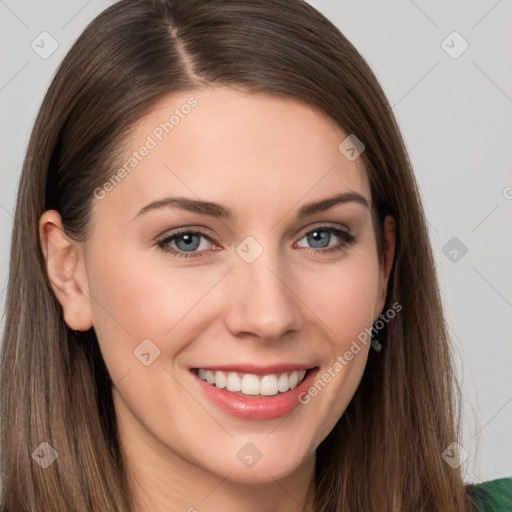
x=65 y=268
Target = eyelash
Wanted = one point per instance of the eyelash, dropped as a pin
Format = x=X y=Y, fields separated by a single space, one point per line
x=345 y=236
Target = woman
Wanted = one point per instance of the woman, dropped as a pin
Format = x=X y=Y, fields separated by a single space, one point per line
x=222 y=294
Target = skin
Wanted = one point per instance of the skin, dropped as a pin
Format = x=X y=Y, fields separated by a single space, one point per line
x=263 y=157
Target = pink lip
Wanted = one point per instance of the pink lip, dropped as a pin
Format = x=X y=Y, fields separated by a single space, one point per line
x=257 y=370
x=252 y=408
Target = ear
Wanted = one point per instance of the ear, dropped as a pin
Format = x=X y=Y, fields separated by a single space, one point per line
x=65 y=267
x=389 y=229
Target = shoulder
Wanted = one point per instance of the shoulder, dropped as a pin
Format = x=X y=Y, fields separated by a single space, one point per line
x=493 y=495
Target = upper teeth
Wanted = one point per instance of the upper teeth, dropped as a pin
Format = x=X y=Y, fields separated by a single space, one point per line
x=251 y=384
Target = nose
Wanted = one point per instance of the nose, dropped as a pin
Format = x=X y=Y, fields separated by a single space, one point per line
x=262 y=302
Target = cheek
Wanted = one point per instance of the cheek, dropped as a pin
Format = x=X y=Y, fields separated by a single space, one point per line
x=132 y=302
x=344 y=296
x=130 y=296
x=343 y=300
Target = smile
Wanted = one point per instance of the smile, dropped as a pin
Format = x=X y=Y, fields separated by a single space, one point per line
x=255 y=393
x=250 y=384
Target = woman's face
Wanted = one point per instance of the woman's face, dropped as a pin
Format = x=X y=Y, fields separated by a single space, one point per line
x=254 y=301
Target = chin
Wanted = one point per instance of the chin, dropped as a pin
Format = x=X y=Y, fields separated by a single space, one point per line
x=260 y=461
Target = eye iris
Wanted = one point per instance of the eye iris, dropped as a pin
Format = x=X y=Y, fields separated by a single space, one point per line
x=316 y=236
x=189 y=242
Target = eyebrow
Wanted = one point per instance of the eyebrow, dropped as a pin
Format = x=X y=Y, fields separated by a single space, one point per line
x=220 y=211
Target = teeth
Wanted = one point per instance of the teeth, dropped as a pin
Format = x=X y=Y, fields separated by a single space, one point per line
x=234 y=383
x=220 y=380
x=293 y=380
x=268 y=385
x=249 y=384
x=283 y=383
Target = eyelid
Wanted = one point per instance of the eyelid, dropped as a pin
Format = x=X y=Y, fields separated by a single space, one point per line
x=188 y=231
x=318 y=225
x=200 y=230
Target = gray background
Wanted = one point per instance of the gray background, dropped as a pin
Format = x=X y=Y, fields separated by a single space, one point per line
x=454 y=114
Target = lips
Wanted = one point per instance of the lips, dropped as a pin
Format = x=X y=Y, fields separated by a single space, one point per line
x=255 y=393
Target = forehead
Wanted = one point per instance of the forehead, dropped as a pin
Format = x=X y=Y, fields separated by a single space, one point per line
x=252 y=151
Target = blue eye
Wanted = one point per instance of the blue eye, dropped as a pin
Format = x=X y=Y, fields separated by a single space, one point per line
x=321 y=236
x=185 y=244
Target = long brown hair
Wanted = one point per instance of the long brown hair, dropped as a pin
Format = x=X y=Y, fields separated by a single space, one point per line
x=385 y=453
